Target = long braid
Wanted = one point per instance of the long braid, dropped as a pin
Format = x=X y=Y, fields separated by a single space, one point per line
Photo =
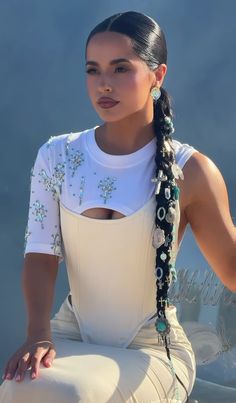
x=166 y=200
x=148 y=42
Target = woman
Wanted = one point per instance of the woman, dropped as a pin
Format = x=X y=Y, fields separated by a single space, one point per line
x=114 y=201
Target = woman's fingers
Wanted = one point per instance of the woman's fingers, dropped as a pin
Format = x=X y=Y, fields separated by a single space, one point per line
x=29 y=356
x=37 y=357
x=49 y=357
x=35 y=360
x=22 y=366
x=11 y=367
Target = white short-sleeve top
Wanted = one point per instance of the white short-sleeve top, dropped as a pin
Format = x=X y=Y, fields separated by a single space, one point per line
x=71 y=168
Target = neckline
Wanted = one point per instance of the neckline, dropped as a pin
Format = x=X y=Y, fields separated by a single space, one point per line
x=118 y=161
x=114 y=221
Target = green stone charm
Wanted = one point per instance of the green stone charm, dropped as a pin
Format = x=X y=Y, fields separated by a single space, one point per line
x=176 y=192
x=162 y=326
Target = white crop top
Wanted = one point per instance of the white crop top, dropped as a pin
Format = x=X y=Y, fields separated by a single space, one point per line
x=73 y=169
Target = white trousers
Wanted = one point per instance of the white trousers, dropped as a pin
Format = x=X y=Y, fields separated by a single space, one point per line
x=92 y=373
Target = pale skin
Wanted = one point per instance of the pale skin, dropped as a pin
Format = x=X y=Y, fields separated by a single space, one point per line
x=203 y=199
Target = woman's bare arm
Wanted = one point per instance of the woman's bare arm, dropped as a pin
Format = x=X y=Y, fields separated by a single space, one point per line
x=38 y=279
x=208 y=214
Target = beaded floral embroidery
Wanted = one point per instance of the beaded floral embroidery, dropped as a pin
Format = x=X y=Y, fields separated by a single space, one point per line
x=107 y=187
x=27 y=234
x=81 y=189
x=59 y=173
x=68 y=140
x=76 y=159
x=56 y=244
x=40 y=212
x=54 y=182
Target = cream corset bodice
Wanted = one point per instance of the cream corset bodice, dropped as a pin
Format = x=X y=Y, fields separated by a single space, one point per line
x=110 y=265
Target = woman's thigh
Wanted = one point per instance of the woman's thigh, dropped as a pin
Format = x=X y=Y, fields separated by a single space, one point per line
x=65 y=325
x=91 y=373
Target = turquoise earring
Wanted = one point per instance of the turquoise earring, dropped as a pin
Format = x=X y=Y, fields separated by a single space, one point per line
x=155 y=93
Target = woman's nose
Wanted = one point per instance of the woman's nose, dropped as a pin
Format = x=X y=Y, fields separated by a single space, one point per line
x=104 y=84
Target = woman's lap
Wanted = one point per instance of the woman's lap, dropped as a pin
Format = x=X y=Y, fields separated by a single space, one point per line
x=92 y=373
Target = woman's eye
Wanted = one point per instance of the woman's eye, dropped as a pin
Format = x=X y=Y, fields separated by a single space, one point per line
x=122 y=68
x=89 y=71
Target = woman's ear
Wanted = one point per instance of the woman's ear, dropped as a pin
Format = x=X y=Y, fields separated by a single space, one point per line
x=160 y=73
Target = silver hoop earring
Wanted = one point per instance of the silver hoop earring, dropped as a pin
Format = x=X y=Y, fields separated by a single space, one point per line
x=155 y=93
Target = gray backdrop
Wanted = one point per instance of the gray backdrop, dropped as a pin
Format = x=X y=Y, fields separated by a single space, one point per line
x=43 y=93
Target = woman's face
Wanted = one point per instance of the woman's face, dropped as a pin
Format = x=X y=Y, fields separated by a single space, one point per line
x=128 y=82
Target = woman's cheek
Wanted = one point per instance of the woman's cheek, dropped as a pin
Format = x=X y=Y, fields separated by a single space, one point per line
x=131 y=81
x=90 y=89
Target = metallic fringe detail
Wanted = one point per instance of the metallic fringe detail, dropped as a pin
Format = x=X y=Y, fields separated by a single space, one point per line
x=163 y=340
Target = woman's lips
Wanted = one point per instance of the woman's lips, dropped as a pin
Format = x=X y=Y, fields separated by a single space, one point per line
x=107 y=104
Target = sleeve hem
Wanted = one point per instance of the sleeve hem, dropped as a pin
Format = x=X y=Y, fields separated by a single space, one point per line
x=42 y=248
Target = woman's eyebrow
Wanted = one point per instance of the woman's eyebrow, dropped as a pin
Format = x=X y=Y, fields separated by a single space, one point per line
x=115 y=61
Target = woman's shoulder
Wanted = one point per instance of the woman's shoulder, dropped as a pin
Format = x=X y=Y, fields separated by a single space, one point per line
x=183 y=151
x=59 y=144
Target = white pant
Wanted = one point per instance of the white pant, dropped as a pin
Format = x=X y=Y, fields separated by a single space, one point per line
x=92 y=373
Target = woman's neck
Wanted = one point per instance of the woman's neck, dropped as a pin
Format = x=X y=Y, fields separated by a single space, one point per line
x=113 y=139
